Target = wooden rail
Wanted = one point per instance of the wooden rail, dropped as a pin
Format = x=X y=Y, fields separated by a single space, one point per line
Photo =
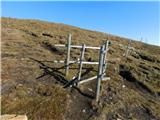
x=77 y=46
x=101 y=64
x=75 y=62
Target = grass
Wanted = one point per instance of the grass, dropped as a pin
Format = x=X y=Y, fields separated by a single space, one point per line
x=26 y=95
x=35 y=106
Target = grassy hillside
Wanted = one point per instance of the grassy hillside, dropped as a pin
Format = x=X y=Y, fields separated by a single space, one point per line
x=28 y=51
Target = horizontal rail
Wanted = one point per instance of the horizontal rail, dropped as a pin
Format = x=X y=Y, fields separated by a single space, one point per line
x=83 y=62
x=87 y=80
x=77 y=46
x=92 y=78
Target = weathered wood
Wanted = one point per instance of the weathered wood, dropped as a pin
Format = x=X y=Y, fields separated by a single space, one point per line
x=75 y=62
x=101 y=64
x=77 y=46
x=104 y=58
x=84 y=62
x=93 y=78
x=81 y=60
x=99 y=75
x=87 y=80
x=68 y=54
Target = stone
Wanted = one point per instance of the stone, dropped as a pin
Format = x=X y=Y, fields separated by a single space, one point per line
x=13 y=117
x=83 y=110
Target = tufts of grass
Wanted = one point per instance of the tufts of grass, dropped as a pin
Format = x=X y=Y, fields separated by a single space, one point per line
x=47 y=102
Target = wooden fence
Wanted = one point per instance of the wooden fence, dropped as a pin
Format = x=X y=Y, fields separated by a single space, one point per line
x=101 y=63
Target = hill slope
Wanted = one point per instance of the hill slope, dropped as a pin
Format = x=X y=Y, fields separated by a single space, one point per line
x=28 y=50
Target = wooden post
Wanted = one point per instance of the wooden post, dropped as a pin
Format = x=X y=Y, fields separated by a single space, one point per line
x=104 y=58
x=68 y=54
x=81 y=60
x=99 y=75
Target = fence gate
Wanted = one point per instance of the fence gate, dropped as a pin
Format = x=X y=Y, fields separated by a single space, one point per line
x=102 y=64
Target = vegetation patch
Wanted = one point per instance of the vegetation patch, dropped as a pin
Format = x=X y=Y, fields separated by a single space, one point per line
x=34 y=87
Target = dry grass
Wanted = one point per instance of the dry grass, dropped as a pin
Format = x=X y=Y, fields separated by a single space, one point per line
x=23 y=94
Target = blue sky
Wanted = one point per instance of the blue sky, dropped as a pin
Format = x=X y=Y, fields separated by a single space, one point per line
x=134 y=20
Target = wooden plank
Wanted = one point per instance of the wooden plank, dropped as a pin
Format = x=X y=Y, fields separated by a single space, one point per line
x=75 y=62
x=77 y=46
x=93 y=78
x=91 y=63
x=68 y=54
x=81 y=60
x=88 y=79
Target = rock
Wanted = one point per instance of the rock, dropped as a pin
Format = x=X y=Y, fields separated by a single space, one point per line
x=84 y=111
x=90 y=89
x=123 y=86
x=119 y=119
x=13 y=117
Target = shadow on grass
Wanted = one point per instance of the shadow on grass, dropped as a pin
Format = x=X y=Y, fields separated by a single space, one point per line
x=60 y=77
